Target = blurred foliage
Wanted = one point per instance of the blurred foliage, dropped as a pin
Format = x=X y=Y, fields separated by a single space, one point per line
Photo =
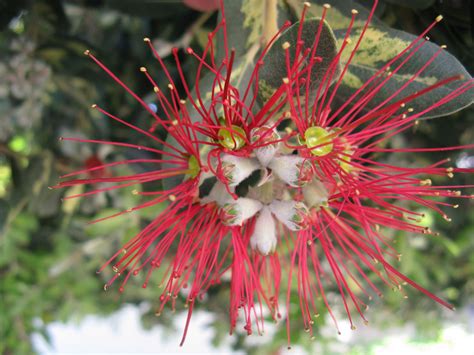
x=48 y=253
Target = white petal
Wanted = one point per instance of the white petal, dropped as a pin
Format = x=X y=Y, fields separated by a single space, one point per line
x=292 y=169
x=236 y=212
x=291 y=213
x=237 y=169
x=264 y=238
x=315 y=193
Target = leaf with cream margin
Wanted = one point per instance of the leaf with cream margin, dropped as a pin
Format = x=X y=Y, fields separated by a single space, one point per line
x=378 y=47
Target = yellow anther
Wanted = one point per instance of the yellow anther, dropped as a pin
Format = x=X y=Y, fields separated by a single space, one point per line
x=143 y=69
x=285 y=45
x=172 y=198
x=146 y=39
x=426 y=182
x=156 y=89
x=439 y=18
x=286 y=80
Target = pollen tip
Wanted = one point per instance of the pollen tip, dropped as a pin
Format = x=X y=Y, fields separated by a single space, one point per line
x=189 y=50
x=286 y=80
x=156 y=89
x=411 y=109
x=326 y=6
x=354 y=11
x=172 y=198
x=307 y=4
x=170 y=86
x=182 y=102
x=444 y=46
x=143 y=69
x=135 y=192
x=348 y=41
x=87 y=52
x=93 y=105
x=146 y=39
x=60 y=138
x=439 y=18
x=285 y=45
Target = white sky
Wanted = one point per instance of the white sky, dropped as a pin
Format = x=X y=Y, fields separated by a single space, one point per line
x=121 y=333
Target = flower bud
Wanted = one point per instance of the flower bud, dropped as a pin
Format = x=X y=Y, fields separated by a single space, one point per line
x=264 y=238
x=315 y=194
x=292 y=169
x=218 y=194
x=236 y=212
x=291 y=213
x=237 y=169
x=264 y=136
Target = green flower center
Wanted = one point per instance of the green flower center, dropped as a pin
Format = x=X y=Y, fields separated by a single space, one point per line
x=232 y=138
x=318 y=137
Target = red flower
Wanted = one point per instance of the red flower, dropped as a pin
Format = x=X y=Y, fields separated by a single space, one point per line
x=353 y=198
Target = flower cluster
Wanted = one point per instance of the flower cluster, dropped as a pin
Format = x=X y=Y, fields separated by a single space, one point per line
x=295 y=196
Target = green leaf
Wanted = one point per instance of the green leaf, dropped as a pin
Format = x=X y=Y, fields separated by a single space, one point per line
x=274 y=68
x=379 y=46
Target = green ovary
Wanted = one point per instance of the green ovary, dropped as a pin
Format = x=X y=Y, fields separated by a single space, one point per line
x=345 y=161
x=315 y=137
x=193 y=167
x=231 y=138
